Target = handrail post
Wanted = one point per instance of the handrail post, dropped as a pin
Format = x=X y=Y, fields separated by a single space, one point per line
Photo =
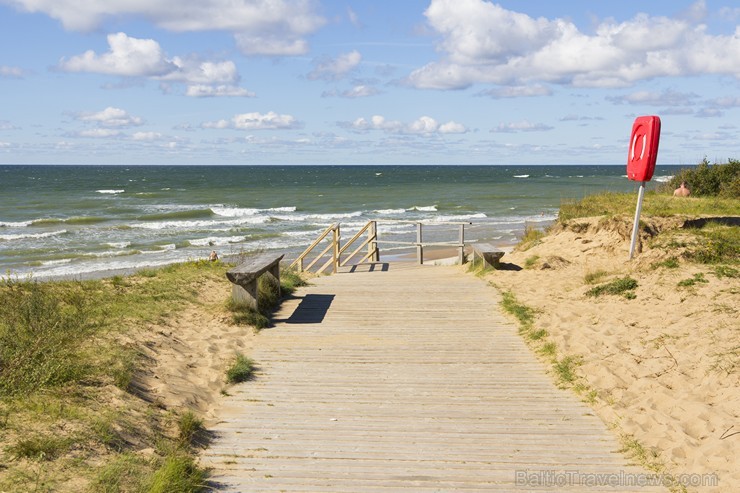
x=300 y=264
x=419 y=246
x=337 y=237
x=462 y=244
x=372 y=246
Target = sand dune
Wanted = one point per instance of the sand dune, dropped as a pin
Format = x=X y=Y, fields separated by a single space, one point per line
x=664 y=364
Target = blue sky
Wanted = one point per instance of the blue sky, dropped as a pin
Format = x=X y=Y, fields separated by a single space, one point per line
x=359 y=82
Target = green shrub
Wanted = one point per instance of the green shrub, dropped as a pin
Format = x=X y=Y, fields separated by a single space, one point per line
x=709 y=180
x=669 y=263
x=623 y=286
x=39 y=447
x=692 y=281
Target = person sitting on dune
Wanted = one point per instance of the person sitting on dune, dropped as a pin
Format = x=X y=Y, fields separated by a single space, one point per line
x=682 y=191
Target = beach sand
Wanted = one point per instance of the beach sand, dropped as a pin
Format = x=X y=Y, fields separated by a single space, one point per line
x=664 y=365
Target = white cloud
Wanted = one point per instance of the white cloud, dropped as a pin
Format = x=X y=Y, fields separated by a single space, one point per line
x=336 y=68
x=256 y=121
x=205 y=91
x=127 y=57
x=146 y=136
x=111 y=117
x=726 y=102
x=269 y=27
x=99 y=133
x=651 y=98
x=11 y=72
x=482 y=42
x=4 y=145
x=424 y=125
x=360 y=91
x=133 y=57
x=6 y=125
x=353 y=17
x=522 y=126
x=533 y=90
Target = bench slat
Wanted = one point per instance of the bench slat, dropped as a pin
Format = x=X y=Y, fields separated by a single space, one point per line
x=253 y=268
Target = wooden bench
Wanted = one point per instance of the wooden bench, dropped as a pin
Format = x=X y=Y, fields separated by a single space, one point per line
x=490 y=254
x=245 y=275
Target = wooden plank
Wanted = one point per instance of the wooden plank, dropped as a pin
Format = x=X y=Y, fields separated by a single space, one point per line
x=404 y=378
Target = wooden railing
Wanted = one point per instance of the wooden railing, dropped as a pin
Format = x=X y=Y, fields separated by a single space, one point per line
x=372 y=243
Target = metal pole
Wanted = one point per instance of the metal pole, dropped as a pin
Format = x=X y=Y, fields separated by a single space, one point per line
x=636 y=225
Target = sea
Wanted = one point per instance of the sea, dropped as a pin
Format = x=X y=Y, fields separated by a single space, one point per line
x=83 y=221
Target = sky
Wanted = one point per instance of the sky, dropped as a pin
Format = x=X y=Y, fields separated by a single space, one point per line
x=365 y=82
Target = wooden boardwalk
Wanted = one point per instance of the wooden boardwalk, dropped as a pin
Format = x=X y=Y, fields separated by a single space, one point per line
x=406 y=378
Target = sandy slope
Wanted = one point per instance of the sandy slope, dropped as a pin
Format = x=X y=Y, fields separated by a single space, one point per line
x=665 y=364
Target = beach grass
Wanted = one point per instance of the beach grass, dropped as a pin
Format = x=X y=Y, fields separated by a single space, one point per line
x=611 y=204
x=70 y=406
x=240 y=370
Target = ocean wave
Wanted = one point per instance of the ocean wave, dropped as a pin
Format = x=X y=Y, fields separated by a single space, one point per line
x=664 y=179
x=462 y=217
x=183 y=214
x=18 y=224
x=521 y=176
x=241 y=211
x=200 y=224
x=423 y=208
x=217 y=241
x=318 y=217
x=24 y=236
x=111 y=192
x=48 y=263
x=118 y=244
x=71 y=220
x=390 y=211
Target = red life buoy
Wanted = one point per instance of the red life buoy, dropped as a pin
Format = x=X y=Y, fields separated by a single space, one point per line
x=643 y=148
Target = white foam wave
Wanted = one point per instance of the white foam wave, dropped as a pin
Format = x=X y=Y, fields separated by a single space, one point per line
x=19 y=224
x=217 y=241
x=118 y=244
x=111 y=192
x=202 y=224
x=24 y=236
x=390 y=211
x=521 y=176
x=242 y=211
x=462 y=217
x=63 y=261
x=318 y=217
x=423 y=208
x=664 y=179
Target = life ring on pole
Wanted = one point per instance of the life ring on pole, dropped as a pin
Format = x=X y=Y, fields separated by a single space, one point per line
x=643 y=150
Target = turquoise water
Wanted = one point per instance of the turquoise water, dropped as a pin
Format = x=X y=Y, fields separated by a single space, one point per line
x=75 y=220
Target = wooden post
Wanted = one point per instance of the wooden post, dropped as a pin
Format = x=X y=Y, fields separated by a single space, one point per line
x=419 y=246
x=462 y=244
x=335 y=253
x=372 y=246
